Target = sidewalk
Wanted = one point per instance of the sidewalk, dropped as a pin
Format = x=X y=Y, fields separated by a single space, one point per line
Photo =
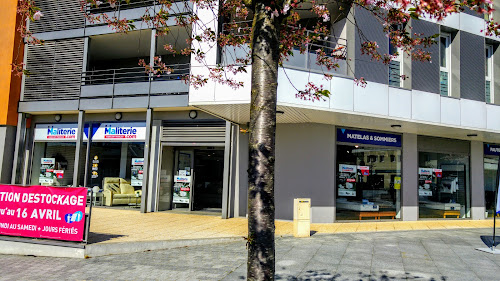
x=118 y=226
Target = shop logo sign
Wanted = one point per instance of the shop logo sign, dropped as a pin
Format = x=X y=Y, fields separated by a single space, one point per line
x=490 y=149
x=120 y=133
x=365 y=137
x=61 y=133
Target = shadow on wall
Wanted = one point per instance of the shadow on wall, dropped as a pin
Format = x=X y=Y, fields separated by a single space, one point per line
x=311 y=275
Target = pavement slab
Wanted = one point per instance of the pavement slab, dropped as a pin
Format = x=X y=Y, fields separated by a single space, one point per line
x=338 y=256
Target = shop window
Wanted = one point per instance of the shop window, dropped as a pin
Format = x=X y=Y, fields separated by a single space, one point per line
x=53 y=163
x=443 y=185
x=444 y=63
x=490 y=183
x=367 y=188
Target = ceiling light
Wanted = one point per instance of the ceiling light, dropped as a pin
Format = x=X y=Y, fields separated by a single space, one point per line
x=280 y=112
x=118 y=116
x=395 y=126
x=472 y=135
x=58 y=117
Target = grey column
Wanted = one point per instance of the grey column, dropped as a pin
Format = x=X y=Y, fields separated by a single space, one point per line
x=154 y=166
x=409 y=194
x=78 y=150
x=227 y=168
x=477 y=199
x=147 y=149
x=17 y=162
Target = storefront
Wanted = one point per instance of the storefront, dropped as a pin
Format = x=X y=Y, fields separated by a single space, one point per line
x=112 y=166
x=368 y=175
x=491 y=157
x=443 y=178
x=192 y=166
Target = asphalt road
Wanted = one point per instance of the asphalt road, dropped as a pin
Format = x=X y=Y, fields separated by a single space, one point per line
x=414 y=255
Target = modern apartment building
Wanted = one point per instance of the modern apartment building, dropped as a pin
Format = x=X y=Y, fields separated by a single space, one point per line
x=423 y=147
x=11 y=51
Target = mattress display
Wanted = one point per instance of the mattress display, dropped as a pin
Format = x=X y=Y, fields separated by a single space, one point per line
x=355 y=206
x=442 y=206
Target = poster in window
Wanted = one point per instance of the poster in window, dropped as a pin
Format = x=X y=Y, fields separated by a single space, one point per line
x=47 y=171
x=182 y=189
x=425 y=181
x=137 y=172
x=347 y=180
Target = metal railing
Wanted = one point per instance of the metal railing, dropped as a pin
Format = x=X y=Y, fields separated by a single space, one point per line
x=121 y=5
x=333 y=46
x=133 y=75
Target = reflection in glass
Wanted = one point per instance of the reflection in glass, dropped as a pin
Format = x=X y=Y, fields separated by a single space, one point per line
x=490 y=183
x=443 y=185
x=367 y=185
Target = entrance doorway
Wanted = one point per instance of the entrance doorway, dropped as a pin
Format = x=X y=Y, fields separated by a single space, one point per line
x=191 y=179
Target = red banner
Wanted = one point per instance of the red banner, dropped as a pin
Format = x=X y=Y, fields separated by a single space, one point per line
x=43 y=212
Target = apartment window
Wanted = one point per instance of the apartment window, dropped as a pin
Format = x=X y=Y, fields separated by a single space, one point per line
x=488 y=73
x=395 y=66
x=444 y=61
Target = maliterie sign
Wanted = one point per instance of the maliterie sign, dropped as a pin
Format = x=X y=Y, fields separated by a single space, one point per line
x=43 y=212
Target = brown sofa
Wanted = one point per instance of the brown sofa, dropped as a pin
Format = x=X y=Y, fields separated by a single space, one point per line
x=118 y=191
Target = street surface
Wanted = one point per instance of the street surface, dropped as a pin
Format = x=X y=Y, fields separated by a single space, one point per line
x=414 y=255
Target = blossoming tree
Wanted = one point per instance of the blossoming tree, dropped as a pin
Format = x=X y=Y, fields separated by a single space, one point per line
x=271 y=30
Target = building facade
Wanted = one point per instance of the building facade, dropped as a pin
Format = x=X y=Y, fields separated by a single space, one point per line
x=423 y=147
x=11 y=52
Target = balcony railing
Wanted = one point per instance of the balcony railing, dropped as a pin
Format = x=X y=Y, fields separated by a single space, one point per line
x=121 y=5
x=334 y=47
x=134 y=81
x=132 y=75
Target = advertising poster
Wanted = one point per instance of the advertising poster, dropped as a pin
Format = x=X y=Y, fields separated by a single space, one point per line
x=347 y=180
x=43 y=212
x=397 y=183
x=95 y=167
x=137 y=171
x=47 y=173
x=425 y=181
x=182 y=189
x=364 y=170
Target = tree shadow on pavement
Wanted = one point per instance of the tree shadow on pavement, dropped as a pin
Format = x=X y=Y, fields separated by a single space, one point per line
x=488 y=240
x=101 y=237
x=313 y=275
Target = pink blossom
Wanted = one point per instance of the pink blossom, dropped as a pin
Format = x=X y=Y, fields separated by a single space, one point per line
x=37 y=15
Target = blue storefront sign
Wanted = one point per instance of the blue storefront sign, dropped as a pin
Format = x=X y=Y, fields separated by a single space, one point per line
x=492 y=149
x=365 y=137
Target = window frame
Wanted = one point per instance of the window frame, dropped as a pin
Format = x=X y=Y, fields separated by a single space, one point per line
x=446 y=68
x=489 y=67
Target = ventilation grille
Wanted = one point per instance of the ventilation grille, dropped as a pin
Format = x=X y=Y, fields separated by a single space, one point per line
x=58 y=15
x=203 y=133
x=395 y=74
x=56 y=69
x=443 y=83
x=488 y=92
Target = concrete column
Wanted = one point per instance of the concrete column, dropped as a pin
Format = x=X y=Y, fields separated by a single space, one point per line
x=18 y=149
x=78 y=150
x=409 y=194
x=7 y=144
x=477 y=199
x=123 y=160
x=154 y=166
x=227 y=169
x=242 y=170
x=147 y=150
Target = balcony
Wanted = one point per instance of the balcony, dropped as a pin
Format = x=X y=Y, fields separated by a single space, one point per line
x=133 y=81
x=332 y=45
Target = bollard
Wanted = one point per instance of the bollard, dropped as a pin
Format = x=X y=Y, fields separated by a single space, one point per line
x=302 y=217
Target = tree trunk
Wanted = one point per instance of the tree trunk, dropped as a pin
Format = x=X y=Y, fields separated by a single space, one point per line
x=265 y=55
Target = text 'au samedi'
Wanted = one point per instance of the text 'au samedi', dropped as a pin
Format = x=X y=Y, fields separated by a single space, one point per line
x=36 y=198
x=371 y=138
